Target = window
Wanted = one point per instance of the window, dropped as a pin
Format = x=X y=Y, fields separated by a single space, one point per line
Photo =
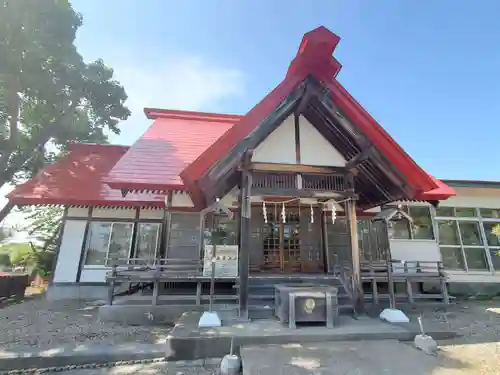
x=184 y=237
x=220 y=230
x=490 y=213
x=422 y=223
x=146 y=245
x=400 y=229
x=492 y=231
x=461 y=241
x=465 y=212
x=421 y=227
x=108 y=241
x=445 y=211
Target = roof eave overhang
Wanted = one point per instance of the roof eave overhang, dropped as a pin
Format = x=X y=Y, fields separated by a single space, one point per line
x=143 y=187
x=36 y=201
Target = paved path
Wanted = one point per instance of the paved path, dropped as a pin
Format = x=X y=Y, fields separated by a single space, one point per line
x=346 y=358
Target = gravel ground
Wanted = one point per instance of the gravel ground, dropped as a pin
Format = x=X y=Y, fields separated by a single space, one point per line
x=38 y=325
x=154 y=368
x=477 y=351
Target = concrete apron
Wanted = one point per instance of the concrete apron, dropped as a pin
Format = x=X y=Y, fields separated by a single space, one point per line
x=187 y=342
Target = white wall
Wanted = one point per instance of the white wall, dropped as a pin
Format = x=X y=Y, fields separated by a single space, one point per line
x=69 y=252
x=316 y=149
x=112 y=213
x=415 y=250
x=279 y=146
x=470 y=197
x=156 y=214
x=78 y=211
x=181 y=199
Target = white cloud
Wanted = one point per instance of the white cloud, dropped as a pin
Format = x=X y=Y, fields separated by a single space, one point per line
x=186 y=83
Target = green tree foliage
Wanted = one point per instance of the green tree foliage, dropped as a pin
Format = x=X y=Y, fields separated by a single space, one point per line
x=18 y=253
x=48 y=94
x=43 y=225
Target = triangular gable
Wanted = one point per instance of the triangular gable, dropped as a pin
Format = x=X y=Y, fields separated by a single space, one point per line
x=314 y=58
x=280 y=146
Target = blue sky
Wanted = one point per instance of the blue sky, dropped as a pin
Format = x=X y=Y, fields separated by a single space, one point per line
x=428 y=71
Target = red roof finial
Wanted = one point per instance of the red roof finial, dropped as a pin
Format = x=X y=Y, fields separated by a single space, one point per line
x=315 y=54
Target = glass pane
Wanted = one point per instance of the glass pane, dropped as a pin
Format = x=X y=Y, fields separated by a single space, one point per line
x=444 y=211
x=452 y=258
x=495 y=258
x=448 y=233
x=121 y=239
x=226 y=232
x=97 y=243
x=470 y=233
x=399 y=229
x=422 y=223
x=147 y=242
x=492 y=233
x=476 y=258
x=490 y=213
x=185 y=221
x=465 y=212
x=184 y=238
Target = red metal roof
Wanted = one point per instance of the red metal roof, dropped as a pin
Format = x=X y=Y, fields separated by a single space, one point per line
x=174 y=140
x=77 y=180
x=315 y=58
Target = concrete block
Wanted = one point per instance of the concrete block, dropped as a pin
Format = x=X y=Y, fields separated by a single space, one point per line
x=426 y=343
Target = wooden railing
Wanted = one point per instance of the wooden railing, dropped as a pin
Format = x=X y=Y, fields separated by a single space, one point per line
x=288 y=181
x=263 y=180
x=319 y=182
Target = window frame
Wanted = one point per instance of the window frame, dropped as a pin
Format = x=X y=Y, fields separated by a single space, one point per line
x=485 y=247
x=136 y=240
x=406 y=207
x=106 y=258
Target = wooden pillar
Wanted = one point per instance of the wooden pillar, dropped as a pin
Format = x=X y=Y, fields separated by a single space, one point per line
x=357 y=286
x=244 y=251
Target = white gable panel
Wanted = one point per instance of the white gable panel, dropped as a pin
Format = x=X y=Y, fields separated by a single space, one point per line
x=315 y=149
x=279 y=146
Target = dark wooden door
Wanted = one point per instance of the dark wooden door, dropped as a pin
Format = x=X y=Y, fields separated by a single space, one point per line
x=282 y=243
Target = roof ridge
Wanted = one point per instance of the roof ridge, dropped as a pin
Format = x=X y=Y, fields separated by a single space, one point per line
x=156 y=113
x=73 y=146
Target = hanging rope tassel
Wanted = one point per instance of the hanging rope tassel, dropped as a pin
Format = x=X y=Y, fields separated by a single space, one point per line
x=312 y=214
x=283 y=214
x=264 y=211
x=334 y=213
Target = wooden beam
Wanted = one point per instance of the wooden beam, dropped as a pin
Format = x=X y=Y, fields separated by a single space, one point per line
x=244 y=251
x=308 y=94
x=350 y=208
x=295 y=168
x=297 y=137
x=359 y=158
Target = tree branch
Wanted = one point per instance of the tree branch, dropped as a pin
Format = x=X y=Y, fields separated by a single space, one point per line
x=12 y=108
x=48 y=131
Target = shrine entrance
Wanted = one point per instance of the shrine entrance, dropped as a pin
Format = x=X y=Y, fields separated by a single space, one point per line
x=282 y=243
